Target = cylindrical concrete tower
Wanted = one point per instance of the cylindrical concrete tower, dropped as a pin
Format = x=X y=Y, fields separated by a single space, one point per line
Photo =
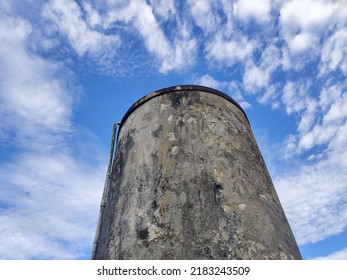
x=188 y=182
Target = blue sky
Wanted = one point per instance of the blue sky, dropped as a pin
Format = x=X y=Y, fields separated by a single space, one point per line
x=70 y=69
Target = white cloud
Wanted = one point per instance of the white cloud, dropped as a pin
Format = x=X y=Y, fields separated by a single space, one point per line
x=301 y=42
x=303 y=24
x=68 y=18
x=308 y=117
x=332 y=110
x=5 y=6
x=307 y=15
x=329 y=95
x=258 y=76
x=334 y=52
x=254 y=78
x=208 y=81
x=163 y=8
x=229 y=87
x=314 y=199
x=339 y=255
x=294 y=96
x=115 y=12
x=155 y=40
x=258 y=10
x=229 y=51
x=48 y=198
x=228 y=26
x=203 y=15
x=314 y=192
x=337 y=111
x=170 y=55
x=51 y=204
x=235 y=93
x=93 y=18
x=32 y=96
x=320 y=119
x=270 y=96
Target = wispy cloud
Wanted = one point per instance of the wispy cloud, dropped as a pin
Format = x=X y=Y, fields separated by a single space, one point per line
x=48 y=197
x=88 y=31
x=204 y=15
x=49 y=206
x=304 y=24
x=171 y=55
x=232 y=88
x=321 y=118
x=314 y=197
x=83 y=31
x=229 y=51
x=34 y=103
x=258 y=76
x=339 y=255
x=334 y=52
x=257 y=10
x=164 y=9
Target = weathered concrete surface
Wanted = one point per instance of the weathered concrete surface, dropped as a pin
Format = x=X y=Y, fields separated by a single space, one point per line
x=189 y=182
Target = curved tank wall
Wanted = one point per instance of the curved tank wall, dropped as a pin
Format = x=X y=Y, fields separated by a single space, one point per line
x=188 y=182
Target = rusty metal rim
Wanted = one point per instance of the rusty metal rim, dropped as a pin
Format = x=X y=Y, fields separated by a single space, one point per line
x=175 y=89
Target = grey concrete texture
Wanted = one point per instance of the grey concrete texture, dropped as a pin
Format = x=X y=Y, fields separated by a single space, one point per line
x=189 y=182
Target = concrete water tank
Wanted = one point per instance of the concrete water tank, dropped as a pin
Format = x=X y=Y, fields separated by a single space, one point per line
x=188 y=182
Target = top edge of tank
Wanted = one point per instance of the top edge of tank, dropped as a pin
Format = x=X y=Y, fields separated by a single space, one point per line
x=175 y=89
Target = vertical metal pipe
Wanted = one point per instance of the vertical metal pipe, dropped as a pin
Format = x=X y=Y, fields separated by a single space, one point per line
x=106 y=187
